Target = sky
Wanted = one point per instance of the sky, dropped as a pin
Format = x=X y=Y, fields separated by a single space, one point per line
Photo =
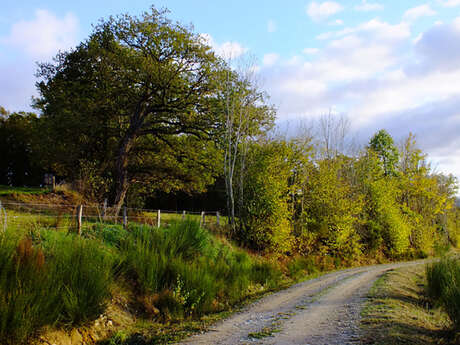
x=384 y=64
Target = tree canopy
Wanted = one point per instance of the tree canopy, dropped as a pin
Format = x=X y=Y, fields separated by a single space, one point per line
x=137 y=98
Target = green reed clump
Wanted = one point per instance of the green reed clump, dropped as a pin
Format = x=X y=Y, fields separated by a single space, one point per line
x=443 y=286
x=60 y=280
x=187 y=272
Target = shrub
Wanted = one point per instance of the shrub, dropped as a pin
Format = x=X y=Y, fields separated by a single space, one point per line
x=301 y=266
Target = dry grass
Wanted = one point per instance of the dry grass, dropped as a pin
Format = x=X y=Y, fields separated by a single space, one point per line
x=399 y=312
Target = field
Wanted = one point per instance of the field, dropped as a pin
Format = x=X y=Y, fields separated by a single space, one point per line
x=7 y=190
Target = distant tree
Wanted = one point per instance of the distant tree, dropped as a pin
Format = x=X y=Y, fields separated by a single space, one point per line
x=19 y=149
x=333 y=132
x=382 y=143
x=137 y=98
x=3 y=112
x=246 y=116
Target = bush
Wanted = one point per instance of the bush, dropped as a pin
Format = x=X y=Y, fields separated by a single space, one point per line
x=443 y=286
x=301 y=266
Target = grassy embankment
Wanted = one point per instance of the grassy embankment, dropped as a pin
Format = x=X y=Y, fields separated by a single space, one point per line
x=415 y=305
x=51 y=278
x=155 y=285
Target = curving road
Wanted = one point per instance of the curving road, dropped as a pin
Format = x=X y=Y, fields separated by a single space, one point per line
x=325 y=310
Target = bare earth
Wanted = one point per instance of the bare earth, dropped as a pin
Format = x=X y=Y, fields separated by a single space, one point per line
x=325 y=310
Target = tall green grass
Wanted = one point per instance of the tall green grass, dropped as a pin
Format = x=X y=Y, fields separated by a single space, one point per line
x=187 y=271
x=53 y=278
x=61 y=280
x=443 y=286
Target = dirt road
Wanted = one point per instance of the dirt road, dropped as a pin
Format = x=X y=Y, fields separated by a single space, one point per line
x=325 y=310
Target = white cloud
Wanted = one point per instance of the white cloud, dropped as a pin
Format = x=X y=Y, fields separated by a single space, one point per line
x=44 y=35
x=414 y=13
x=336 y=22
x=310 y=51
x=374 y=27
x=270 y=59
x=437 y=49
x=382 y=78
x=227 y=50
x=320 y=11
x=449 y=3
x=271 y=26
x=368 y=7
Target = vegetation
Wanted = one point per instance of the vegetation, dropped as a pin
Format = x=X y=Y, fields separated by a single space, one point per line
x=398 y=311
x=143 y=110
x=443 y=287
x=7 y=190
x=57 y=279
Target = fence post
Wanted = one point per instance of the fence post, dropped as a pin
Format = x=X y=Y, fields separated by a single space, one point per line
x=3 y=217
x=183 y=215
x=218 y=218
x=202 y=220
x=125 y=217
x=53 y=183
x=79 y=216
x=158 y=218
x=104 y=209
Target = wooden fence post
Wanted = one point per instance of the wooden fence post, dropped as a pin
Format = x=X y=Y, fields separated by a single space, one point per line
x=125 y=217
x=217 y=218
x=79 y=216
x=3 y=217
x=183 y=215
x=104 y=209
x=202 y=219
x=53 y=183
x=158 y=218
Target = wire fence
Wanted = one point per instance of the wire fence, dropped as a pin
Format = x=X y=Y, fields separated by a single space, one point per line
x=81 y=217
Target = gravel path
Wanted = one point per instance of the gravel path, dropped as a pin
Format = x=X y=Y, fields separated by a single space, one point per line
x=325 y=310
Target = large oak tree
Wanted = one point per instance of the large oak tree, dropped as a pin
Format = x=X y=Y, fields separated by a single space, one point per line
x=137 y=98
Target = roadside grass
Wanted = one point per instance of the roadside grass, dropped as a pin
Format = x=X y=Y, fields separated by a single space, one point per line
x=399 y=311
x=58 y=279
x=443 y=287
x=181 y=277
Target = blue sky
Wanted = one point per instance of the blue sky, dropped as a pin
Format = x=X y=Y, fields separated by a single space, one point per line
x=383 y=64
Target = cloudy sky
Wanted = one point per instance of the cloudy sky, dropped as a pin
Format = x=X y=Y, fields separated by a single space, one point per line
x=384 y=64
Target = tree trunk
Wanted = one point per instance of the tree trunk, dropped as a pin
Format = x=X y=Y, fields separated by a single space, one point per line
x=121 y=169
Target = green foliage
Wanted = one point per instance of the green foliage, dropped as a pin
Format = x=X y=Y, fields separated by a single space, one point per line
x=20 y=150
x=65 y=280
x=331 y=209
x=301 y=266
x=83 y=270
x=443 y=286
x=8 y=190
x=136 y=99
x=186 y=272
x=265 y=215
x=382 y=143
x=388 y=226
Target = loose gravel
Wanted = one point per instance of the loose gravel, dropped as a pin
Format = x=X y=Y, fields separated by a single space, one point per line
x=324 y=310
